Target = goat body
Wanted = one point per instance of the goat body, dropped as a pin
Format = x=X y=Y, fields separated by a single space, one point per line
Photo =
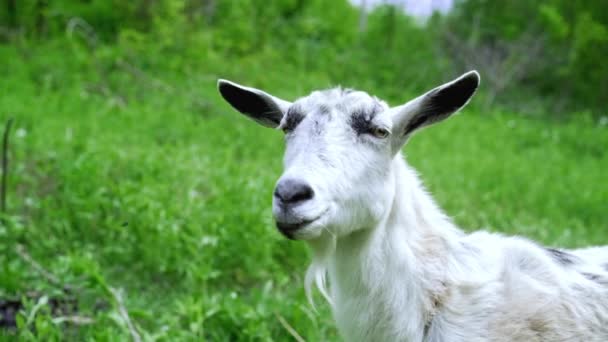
x=416 y=277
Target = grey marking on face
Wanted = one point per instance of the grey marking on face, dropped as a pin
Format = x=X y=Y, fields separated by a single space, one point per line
x=293 y=117
x=321 y=119
x=361 y=119
x=562 y=257
x=360 y=122
x=356 y=108
x=324 y=109
x=317 y=127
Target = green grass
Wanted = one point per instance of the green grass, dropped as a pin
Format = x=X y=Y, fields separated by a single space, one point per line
x=165 y=192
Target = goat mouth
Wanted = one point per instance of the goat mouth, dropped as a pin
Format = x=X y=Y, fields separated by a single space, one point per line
x=288 y=229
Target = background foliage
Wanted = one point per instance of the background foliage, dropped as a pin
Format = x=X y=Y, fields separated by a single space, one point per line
x=549 y=54
x=132 y=184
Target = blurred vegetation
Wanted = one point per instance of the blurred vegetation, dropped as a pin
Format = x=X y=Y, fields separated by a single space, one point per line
x=128 y=172
x=537 y=57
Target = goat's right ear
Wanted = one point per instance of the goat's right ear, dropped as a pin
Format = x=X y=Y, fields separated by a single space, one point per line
x=264 y=108
x=433 y=106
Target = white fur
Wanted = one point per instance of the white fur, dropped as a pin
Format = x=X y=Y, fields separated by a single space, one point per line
x=416 y=269
x=397 y=268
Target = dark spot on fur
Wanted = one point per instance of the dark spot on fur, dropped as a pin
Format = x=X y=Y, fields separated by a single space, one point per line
x=317 y=127
x=591 y=276
x=438 y=300
x=292 y=119
x=561 y=257
x=427 y=328
x=361 y=120
x=323 y=157
x=596 y=278
x=538 y=325
x=324 y=109
x=606 y=267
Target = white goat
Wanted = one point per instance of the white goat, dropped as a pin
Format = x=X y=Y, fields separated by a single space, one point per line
x=399 y=269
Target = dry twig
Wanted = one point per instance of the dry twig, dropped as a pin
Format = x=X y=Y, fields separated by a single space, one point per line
x=122 y=310
x=290 y=329
x=76 y=320
x=50 y=277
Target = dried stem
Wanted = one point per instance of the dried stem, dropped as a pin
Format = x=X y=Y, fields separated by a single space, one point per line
x=122 y=310
x=290 y=329
x=76 y=320
x=50 y=277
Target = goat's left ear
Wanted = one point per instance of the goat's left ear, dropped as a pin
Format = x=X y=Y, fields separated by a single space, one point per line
x=433 y=106
x=256 y=104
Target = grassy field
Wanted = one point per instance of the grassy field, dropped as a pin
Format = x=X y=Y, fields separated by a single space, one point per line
x=147 y=183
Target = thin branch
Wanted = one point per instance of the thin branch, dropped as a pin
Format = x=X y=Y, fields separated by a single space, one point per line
x=50 y=277
x=124 y=314
x=290 y=329
x=7 y=129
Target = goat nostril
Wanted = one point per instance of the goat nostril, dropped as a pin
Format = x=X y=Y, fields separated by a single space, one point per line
x=277 y=193
x=302 y=194
x=291 y=191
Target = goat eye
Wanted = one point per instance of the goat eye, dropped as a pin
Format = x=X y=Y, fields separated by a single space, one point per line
x=380 y=132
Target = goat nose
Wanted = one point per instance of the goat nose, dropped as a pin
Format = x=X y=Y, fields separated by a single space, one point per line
x=290 y=191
